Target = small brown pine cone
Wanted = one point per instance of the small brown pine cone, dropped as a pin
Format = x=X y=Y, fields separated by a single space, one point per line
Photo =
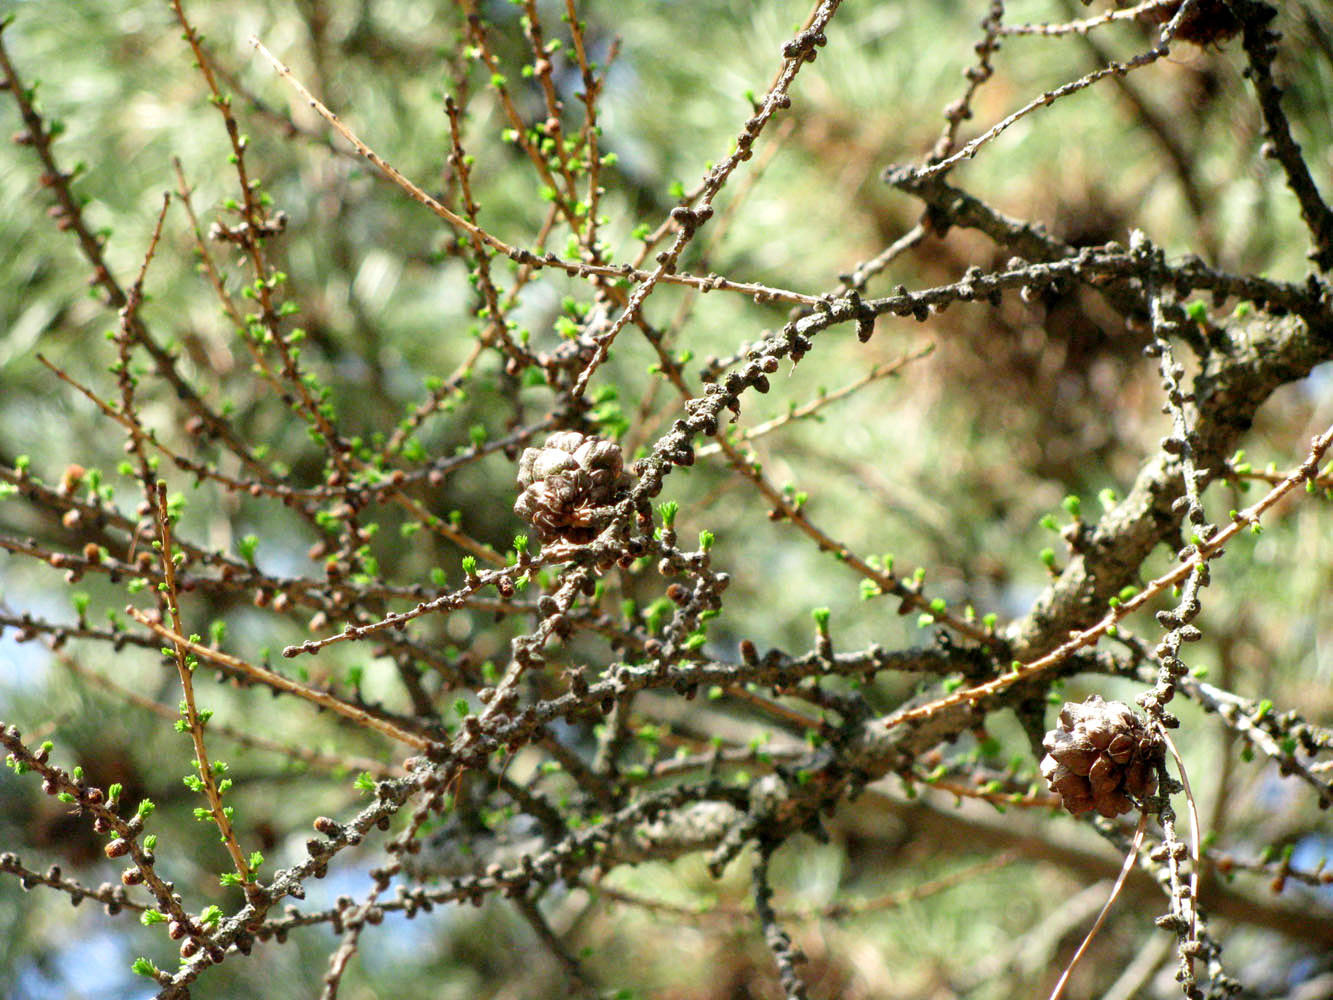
x=1207 y=22
x=1099 y=755
x=563 y=481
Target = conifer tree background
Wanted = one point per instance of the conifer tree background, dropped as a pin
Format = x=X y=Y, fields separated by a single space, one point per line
x=539 y=498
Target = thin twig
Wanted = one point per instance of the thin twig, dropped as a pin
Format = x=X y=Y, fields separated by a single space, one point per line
x=1125 y=869
x=1194 y=832
x=263 y=675
x=1082 y=27
x=784 y=953
x=1205 y=551
x=875 y=373
x=578 y=268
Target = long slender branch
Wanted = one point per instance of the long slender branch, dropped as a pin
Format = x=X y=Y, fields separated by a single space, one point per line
x=185 y=670
x=263 y=675
x=1205 y=551
x=578 y=268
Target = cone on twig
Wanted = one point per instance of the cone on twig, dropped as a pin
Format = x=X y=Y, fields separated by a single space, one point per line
x=1099 y=755
x=564 y=480
x=1208 y=22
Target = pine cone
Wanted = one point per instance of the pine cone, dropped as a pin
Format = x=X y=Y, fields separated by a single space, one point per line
x=1100 y=755
x=563 y=481
x=1207 y=22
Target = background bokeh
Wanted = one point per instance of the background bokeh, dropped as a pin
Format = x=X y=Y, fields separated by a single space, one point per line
x=949 y=465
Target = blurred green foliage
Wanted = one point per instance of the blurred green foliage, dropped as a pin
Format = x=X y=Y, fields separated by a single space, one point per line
x=949 y=465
